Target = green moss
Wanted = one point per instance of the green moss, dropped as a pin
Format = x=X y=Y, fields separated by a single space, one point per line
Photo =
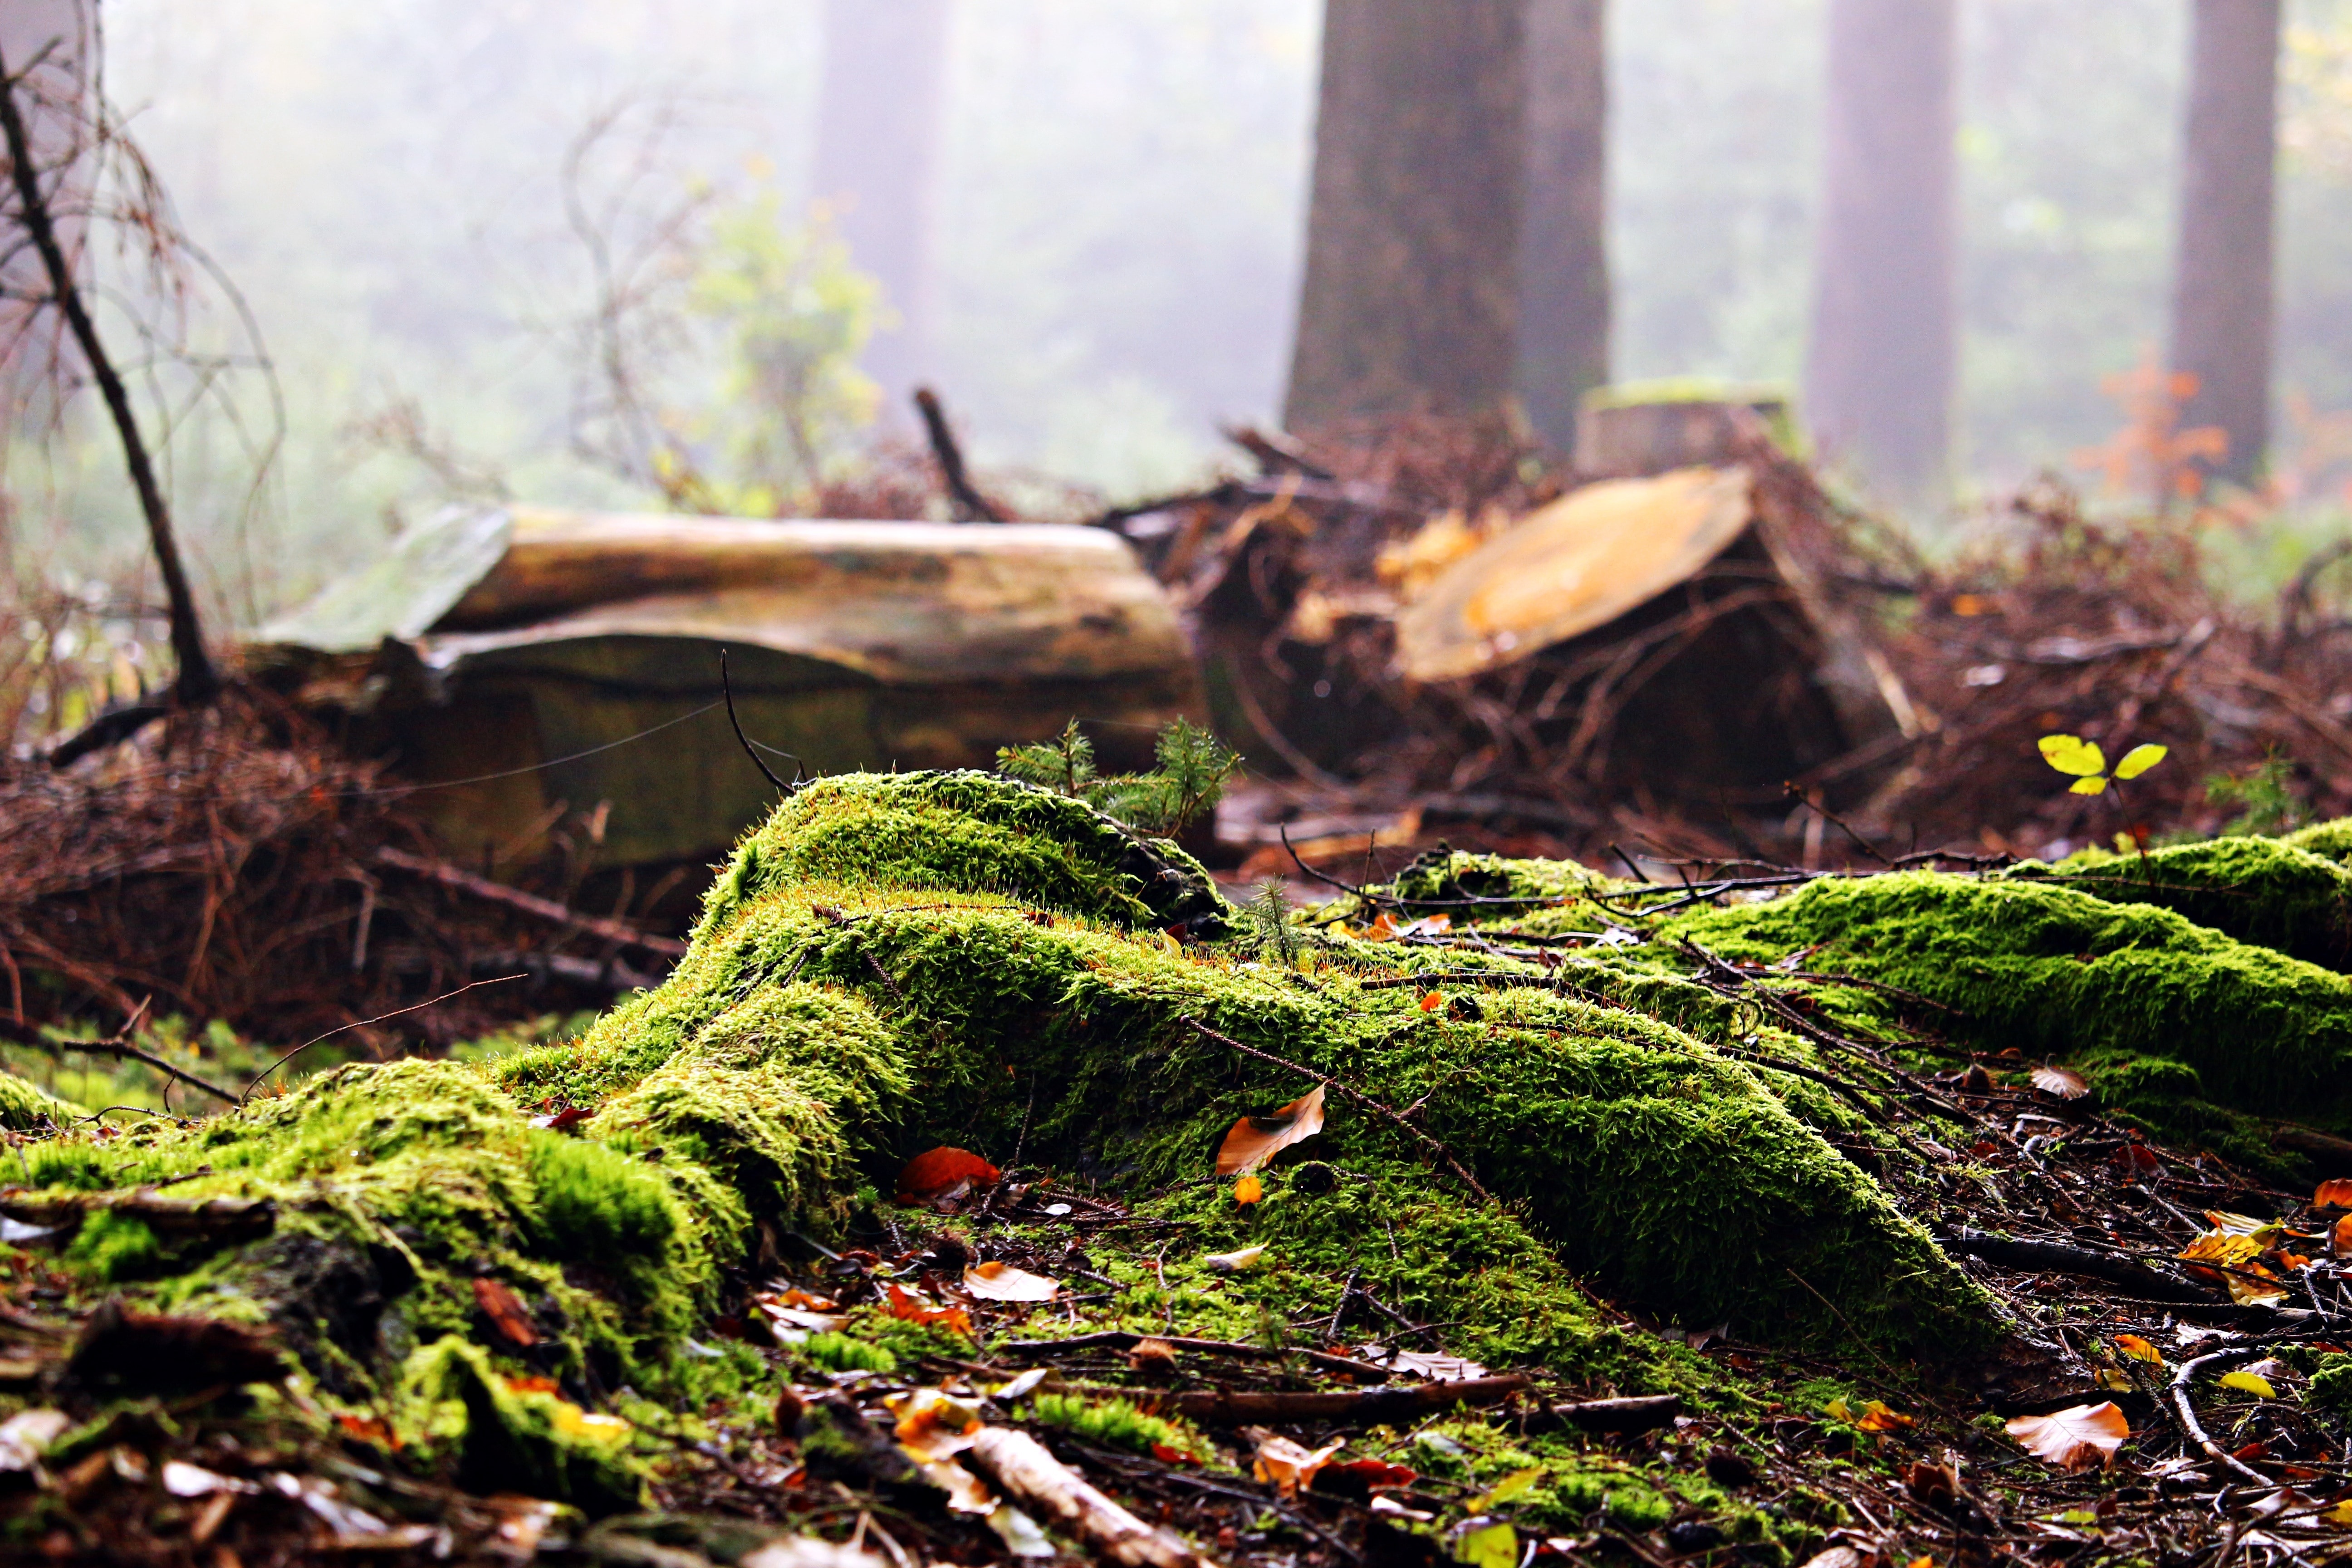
x=842 y=1353
x=2330 y=840
x=1114 y=1424
x=510 y=1439
x=2054 y=970
x=26 y=1107
x=115 y=1247
x=2330 y=1389
x=2258 y=890
x=969 y=832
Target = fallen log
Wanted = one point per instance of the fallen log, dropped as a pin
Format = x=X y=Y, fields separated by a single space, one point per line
x=1632 y=1413
x=1022 y=1465
x=1355 y=1407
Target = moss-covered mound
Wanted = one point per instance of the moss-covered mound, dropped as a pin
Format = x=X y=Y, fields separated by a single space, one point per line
x=2260 y=890
x=2056 y=971
x=892 y=962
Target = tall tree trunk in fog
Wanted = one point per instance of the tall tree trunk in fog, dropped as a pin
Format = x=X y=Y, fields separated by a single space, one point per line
x=1411 y=296
x=1878 y=372
x=2221 y=302
x=878 y=158
x=1563 y=247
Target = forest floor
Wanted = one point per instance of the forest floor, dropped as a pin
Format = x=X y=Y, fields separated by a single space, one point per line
x=1202 y=1396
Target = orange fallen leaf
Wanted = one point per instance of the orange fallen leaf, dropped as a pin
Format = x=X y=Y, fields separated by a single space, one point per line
x=505 y=1311
x=1382 y=929
x=1432 y=1001
x=2138 y=1349
x=1287 y=1466
x=1002 y=1282
x=2234 y=1260
x=943 y=1173
x=2073 y=1438
x=1878 y=1417
x=373 y=1429
x=934 y=1423
x=531 y=1384
x=2332 y=1195
x=2340 y=1240
x=2064 y=1082
x=1254 y=1139
x=797 y=1297
x=1376 y=1472
x=901 y=1302
x=1248 y=1190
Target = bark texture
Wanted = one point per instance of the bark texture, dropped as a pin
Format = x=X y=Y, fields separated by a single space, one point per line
x=1879 y=370
x=2222 y=304
x=877 y=163
x=1411 y=298
x=1564 y=306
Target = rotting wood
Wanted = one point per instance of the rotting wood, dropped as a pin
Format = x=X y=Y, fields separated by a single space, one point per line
x=1024 y=1467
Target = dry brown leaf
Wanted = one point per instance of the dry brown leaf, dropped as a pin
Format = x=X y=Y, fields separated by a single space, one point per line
x=505 y=1311
x=2064 y=1082
x=1002 y=1282
x=1149 y=1354
x=1436 y=1368
x=1287 y=1466
x=1254 y=1139
x=2075 y=1438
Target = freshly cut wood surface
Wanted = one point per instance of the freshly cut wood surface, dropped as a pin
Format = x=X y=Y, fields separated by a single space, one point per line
x=1577 y=564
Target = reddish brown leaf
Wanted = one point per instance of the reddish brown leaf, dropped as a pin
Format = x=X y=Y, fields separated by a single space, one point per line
x=505 y=1311
x=373 y=1429
x=941 y=1173
x=2075 y=1438
x=1254 y=1139
x=563 y=1120
x=2064 y=1082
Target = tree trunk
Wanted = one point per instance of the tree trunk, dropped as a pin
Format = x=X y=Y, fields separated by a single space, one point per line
x=2221 y=302
x=1411 y=298
x=1564 y=255
x=877 y=164
x=1879 y=371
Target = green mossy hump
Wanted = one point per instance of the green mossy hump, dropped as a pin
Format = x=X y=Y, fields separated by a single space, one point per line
x=969 y=832
x=2265 y=891
x=2056 y=971
x=892 y=962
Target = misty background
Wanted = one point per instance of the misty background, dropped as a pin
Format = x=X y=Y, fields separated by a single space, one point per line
x=1119 y=228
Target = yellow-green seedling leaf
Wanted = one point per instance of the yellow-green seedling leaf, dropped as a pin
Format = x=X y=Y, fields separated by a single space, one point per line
x=1838 y=1409
x=2138 y=760
x=2091 y=785
x=1496 y=1546
x=1510 y=1488
x=2073 y=755
x=2252 y=1382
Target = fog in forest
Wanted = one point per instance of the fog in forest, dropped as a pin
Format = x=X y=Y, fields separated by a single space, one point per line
x=1117 y=234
